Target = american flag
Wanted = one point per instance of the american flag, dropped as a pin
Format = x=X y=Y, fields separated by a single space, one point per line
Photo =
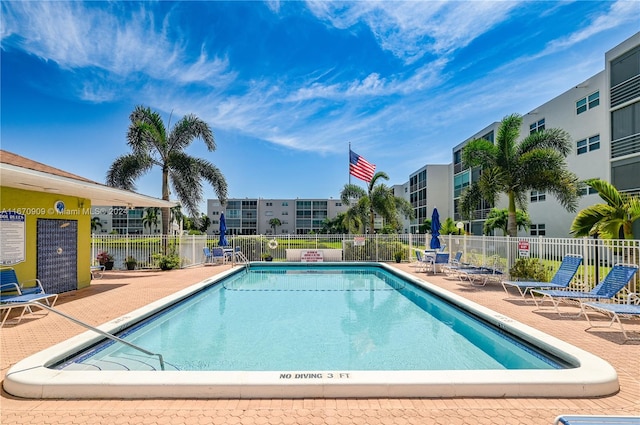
x=360 y=167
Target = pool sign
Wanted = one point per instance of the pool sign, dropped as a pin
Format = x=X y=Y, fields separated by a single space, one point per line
x=311 y=256
x=523 y=248
x=12 y=238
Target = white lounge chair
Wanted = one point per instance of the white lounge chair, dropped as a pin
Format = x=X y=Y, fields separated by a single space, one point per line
x=617 y=312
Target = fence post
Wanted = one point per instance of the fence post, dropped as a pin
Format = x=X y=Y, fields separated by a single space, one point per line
x=586 y=260
x=509 y=264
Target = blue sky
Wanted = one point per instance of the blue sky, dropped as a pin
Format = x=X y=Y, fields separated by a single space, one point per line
x=287 y=85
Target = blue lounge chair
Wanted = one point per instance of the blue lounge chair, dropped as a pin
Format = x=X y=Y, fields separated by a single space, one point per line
x=596 y=420
x=480 y=276
x=11 y=297
x=561 y=280
x=8 y=276
x=617 y=278
x=629 y=310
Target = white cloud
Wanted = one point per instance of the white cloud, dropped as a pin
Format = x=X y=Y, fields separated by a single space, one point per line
x=413 y=29
x=81 y=36
x=620 y=12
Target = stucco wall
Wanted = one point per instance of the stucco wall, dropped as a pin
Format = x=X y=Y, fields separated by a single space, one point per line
x=35 y=205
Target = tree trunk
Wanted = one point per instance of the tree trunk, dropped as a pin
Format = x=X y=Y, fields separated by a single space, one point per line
x=512 y=225
x=165 y=210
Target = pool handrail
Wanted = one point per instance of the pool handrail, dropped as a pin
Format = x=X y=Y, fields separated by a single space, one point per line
x=93 y=328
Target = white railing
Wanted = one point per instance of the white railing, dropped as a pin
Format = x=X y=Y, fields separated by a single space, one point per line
x=598 y=254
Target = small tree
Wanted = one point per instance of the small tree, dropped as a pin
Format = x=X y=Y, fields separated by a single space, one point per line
x=151 y=218
x=498 y=219
x=95 y=223
x=275 y=222
x=611 y=220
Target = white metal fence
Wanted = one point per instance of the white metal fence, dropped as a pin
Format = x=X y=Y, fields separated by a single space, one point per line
x=598 y=254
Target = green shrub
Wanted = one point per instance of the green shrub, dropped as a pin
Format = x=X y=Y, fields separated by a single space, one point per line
x=528 y=269
x=167 y=262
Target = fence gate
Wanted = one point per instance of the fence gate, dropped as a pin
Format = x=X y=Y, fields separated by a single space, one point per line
x=57 y=255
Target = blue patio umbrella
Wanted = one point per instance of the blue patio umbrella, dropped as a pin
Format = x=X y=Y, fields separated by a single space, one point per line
x=223 y=230
x=435 y=229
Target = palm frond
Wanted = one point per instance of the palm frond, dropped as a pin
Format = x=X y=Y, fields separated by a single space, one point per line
x=350 y=192
x=469 y=200
x=586 y=221
x=479 y=152
x=216 y=179
x=553 y=138
x=606 y=191
x=189 y=128
x=126 y=169
x=507 y=136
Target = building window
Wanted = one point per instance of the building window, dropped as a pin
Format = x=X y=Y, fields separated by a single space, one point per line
x=536 y=126
x=588 y=102
x=538 y=230
x=268 y=213
x=538 y=196
x=269 y=204
x=587 y=145
x=338 y=204
x=285 y=212
x=587 y=191
x=285 y=204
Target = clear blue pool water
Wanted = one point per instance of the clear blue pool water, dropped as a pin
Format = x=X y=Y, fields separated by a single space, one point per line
x=321 y=317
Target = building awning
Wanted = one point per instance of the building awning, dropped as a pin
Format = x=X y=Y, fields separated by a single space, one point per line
x=70 y=185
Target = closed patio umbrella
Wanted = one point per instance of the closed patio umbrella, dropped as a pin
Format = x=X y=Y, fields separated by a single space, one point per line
x=223 y=230
x=435 y=229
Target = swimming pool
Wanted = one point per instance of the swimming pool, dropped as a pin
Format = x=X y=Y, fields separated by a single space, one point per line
x=342 y=331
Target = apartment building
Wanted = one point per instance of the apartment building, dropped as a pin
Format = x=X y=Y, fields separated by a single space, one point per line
x=602 y=115
x=253 y=216
x=429 y=187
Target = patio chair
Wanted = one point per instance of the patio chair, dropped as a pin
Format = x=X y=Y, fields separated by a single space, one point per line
x=617 y=278
x=213 y=256
x=480 y=276
x=629 y=310
x=97 y=271
x=8 y=275
x=561 y=280
x=420 y=263
x=11 y=297
x=435 y=262
x=596 y=420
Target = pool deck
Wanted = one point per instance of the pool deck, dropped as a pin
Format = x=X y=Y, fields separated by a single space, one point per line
x=120 y=292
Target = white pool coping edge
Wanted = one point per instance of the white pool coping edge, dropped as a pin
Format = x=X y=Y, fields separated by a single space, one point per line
x=593 y=377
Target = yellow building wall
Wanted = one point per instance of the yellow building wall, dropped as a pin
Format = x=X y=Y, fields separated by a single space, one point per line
x=35 y=205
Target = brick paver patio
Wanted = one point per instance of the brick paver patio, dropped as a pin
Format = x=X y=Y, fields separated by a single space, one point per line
x=120 y=292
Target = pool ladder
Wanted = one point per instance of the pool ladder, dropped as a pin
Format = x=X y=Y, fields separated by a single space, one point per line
x=241 y=258
x=101 y=332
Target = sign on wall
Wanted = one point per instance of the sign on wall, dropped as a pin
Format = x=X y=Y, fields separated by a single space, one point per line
x=311 y=256
x=12 y=238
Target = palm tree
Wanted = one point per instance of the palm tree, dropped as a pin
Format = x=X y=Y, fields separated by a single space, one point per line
x=611 y=220
x=151 y=218
x=177 y=216
x=205 y=222
x=377 y=199
x=151 y=146
x=536 y=163
x=95 y=223
x=425 y=226
x=275 y=222
x=498 y=219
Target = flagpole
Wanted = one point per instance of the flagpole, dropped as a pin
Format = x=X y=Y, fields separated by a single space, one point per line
x=349 y=164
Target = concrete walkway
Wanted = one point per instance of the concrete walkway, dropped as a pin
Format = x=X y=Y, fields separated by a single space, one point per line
x=120 y=292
